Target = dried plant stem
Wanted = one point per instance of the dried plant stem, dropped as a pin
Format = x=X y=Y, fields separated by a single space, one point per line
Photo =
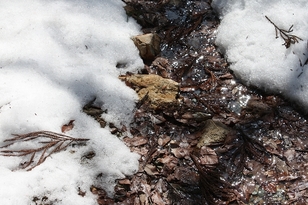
x=285 y=34
x=53 y=142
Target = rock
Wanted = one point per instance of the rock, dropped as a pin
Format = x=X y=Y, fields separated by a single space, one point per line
x=213 y=133
x=148 y=45
x=159 y=92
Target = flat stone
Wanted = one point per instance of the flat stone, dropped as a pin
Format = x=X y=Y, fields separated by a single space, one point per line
x=159 y=92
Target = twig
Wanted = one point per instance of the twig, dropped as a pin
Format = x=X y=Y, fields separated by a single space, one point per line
x=56 y=143
x=285 y=34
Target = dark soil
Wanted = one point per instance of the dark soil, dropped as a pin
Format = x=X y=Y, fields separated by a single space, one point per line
x=262 y=161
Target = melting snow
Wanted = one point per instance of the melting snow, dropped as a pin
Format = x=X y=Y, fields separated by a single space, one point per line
x=56 y=56
x=257 y=57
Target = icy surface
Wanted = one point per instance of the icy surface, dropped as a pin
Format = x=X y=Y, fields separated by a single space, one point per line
x=257 y=57
x=56 y=56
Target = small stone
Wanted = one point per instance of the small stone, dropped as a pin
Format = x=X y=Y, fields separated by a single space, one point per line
x=213 y=132
x=148 y=45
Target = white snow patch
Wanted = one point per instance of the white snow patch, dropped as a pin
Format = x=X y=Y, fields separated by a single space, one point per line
x=257 y=57
x=56 y=56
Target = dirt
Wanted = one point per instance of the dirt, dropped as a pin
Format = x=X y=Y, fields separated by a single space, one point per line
x=262 y=159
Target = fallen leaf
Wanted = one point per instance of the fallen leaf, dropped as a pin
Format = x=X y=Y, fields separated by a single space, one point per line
x=180 y=152
x=290 y=154
x=270 y=187
x=162 y=141
x=68 y=127
x=150 y=170
x=124 y=181
x=208 y=156
x=81 y=193
x=156 y=198
x=136 y=141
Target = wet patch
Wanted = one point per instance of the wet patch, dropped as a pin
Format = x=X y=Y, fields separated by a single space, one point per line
x=260 y=160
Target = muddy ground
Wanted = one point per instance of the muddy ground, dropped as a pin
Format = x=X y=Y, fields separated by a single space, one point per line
x=262 y=156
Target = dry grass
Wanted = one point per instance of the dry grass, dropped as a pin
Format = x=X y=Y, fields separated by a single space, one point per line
x=50 y=142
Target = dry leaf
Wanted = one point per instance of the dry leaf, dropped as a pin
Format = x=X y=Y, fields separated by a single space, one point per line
x=68 y=127
x=156 y=198
x=136 y=141
x=208 y=156
x=180 y=152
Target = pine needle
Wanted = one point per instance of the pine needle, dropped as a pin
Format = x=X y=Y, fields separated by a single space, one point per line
x=51 y=143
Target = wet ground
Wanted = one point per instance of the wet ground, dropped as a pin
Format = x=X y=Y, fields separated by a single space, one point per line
x=262 y=160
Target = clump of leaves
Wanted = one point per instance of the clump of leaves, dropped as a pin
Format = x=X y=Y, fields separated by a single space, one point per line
x=285 y=34
x=51 y=143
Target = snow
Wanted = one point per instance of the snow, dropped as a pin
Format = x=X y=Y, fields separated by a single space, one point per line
x=56 y=56
x=256 y=56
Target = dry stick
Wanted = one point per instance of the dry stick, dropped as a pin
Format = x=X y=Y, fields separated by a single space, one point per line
x=30 y=161
x=285 y=35
x=56 y=140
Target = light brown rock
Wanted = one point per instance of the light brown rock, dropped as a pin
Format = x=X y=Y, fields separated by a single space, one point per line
x=159 y=92
x=148 y=45
x=213 y=132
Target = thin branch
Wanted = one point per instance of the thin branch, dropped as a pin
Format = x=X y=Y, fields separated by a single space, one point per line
x=56 y=143
x=285 y=34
